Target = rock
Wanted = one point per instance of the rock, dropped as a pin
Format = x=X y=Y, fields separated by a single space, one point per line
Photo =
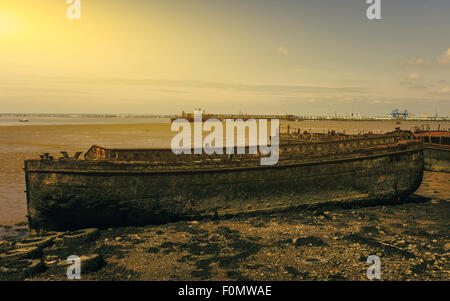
x=308 y=241
x=82 y=235
x=314 y=260
x=447 y=246
x=26 y=267
x=18 y=254
x=40 y=242
x=51 y=262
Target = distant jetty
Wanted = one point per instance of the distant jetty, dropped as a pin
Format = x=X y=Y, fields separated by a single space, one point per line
x=291 y=117
x=206 y=116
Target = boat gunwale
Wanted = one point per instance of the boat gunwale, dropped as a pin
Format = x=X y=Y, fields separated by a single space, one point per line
x=436 y=146
x=210 y=170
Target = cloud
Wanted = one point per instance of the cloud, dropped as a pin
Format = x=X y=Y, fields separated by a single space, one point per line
x=197 y=84
x=282 y=51
x=419 y=61
x=444 y=90
x=414 y=76
x=444 y=58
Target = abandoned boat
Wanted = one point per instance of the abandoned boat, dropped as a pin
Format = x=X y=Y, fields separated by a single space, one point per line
x=144 y=186
x=436 y=149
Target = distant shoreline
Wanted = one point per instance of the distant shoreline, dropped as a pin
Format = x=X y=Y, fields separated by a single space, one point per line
x=64 y=121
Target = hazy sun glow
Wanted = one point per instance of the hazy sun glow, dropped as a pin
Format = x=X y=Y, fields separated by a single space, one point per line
x=164 y=56
x=8 y=24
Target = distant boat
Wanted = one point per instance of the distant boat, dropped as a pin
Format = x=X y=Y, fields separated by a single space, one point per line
x=436 y=149
x=23 y=120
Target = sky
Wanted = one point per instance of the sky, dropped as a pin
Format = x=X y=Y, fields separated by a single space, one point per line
x=303 y=57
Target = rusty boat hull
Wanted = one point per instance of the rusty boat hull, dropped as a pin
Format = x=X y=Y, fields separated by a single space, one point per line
x=137 y=187
x=437 y=157
x=436 y=149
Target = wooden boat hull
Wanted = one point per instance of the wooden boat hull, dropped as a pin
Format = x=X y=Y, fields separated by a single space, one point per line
x=70 y=194
x=436 y=149
x=437 y=157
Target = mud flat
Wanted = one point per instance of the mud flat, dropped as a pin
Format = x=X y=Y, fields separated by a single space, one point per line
x=412 y=240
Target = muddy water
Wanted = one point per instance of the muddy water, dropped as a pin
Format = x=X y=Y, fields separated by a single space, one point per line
x=19 y=142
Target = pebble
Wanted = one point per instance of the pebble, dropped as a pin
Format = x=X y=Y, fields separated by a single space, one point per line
x=50 y=262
